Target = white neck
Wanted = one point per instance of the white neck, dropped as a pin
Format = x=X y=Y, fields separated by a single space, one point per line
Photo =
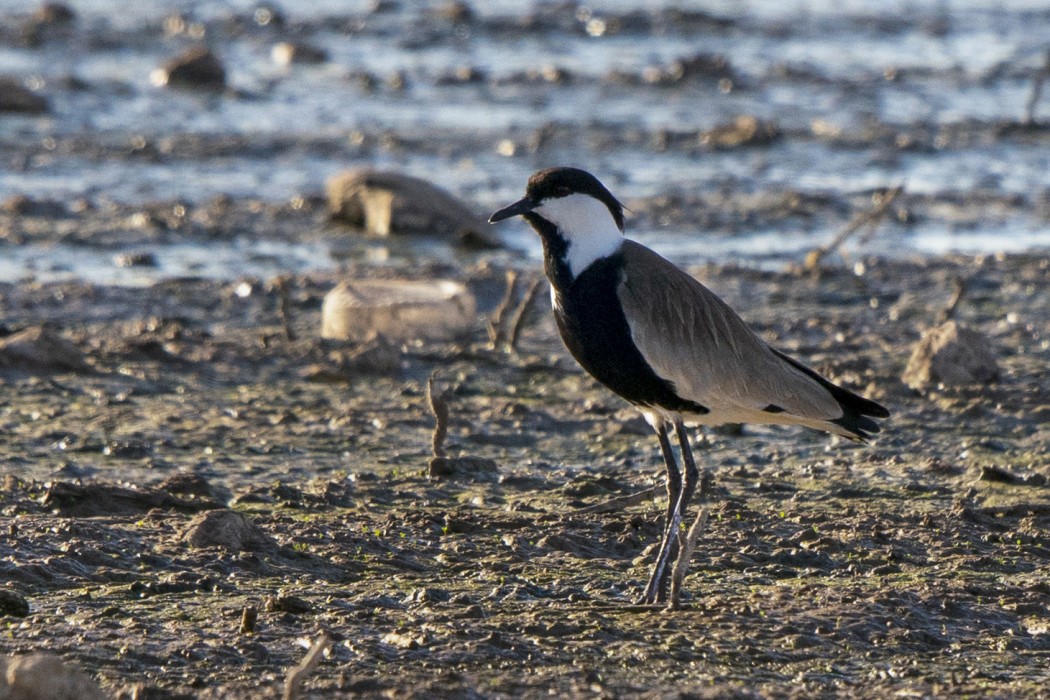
x=586 y=225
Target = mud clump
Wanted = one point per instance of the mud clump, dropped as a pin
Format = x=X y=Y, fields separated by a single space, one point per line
x=953 y=356
x=41 y=350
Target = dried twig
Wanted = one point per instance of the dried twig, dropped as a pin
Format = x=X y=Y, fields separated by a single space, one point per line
x=280 y=286
x=620 y=502
x=439 y=406
x=522 y=311
x=960 y=290
x=686 y=545
x=1037 y=91
x=869 y=218
x=296 y=676
x=498 y=320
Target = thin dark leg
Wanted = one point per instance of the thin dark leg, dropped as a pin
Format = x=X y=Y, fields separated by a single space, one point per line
x=655 y=589
x=692 y=474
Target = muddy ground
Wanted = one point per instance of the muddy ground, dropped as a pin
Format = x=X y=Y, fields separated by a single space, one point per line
x=191 y=496
x=913 y=566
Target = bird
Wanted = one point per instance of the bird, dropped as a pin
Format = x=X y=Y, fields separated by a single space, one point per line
x=653 y=334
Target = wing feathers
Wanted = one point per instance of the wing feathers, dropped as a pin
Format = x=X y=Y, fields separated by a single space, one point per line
x=696 y=341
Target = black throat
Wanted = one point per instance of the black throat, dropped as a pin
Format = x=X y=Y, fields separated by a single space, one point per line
x=555 y=248
x=594 y=328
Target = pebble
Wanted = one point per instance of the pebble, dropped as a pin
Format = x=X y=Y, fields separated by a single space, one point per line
x=13 y=604
x=286 y=53
x=15 y=97
x=195 y=68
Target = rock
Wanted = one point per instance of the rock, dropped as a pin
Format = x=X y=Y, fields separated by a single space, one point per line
x=15 y=97
x=744 y=130
x=466 y=467
x=53 y=13
x=286 y=53
x=389 y=203
x=951 y=355
x=398 y=310
x=195 y=68
x=45 y=677
x=38 y=349
x=136 y=259
x=226 y=528
x=13 y=604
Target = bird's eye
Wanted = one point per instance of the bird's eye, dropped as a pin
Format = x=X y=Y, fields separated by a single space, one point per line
x=562 y=191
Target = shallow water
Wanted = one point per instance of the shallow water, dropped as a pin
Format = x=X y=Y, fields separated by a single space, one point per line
x=844 y=83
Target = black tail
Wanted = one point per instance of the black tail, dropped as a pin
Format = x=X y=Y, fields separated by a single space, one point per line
x=857 y=411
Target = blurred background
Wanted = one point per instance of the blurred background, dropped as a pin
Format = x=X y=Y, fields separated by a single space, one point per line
x=744 y=131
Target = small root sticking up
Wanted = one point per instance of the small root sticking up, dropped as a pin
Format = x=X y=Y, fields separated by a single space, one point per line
x=686 y=545
x=249 y=616
x=518 y=322
x=498 y=321
x=280 y=286
x=293 y=684
x=960 y=291
x=438 y=402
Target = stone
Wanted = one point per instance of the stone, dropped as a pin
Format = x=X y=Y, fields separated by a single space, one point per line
x=17 y=98
x=45 y=677
x=953 y=356
x=398 y=310
x=285 y=53
x=228 y=529
x=385 y=203
x=744 y=130
x=195 y=68
x=13 y=604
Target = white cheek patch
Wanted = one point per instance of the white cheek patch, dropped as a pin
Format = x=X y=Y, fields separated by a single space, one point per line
x=587 y=225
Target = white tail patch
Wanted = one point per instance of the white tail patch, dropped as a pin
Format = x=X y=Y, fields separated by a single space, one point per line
x=587 y=226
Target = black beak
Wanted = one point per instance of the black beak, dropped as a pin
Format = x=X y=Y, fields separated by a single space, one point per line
x=522 y=206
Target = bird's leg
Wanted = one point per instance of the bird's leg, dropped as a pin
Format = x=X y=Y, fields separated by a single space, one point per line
x=692 y=474
x=655 y=589
x=685 y=546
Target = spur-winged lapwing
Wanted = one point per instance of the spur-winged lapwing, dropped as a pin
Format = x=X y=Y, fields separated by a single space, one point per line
x=660 y=339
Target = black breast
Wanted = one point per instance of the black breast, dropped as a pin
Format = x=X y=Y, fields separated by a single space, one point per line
x=595 y=330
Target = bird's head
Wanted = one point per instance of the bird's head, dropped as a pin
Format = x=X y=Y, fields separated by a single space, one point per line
x=574 y=206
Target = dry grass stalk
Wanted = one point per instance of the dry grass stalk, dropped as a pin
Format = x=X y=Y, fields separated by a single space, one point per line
x=960 y=291
x=686 y=545
x=869 y=218
x=298 y=675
